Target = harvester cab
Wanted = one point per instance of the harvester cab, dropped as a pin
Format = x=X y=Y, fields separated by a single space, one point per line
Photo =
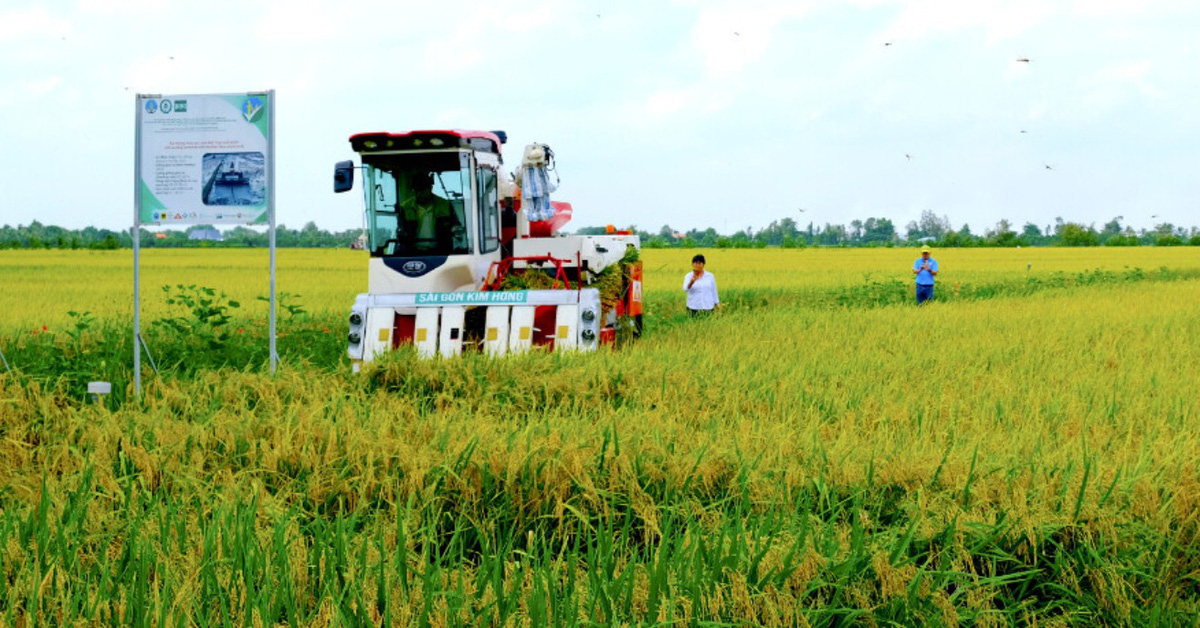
x=457 y=264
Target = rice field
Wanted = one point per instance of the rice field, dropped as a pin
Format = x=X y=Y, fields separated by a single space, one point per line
x=1023 y=451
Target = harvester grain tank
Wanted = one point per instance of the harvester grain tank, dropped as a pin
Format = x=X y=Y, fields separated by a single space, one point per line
x=456 y=264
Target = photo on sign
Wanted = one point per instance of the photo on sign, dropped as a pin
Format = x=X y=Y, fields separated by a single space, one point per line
x=234 y=179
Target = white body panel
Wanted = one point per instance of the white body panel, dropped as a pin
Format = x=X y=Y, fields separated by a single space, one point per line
x=566 y=333
x=597 y=252
x=440 y=318
x=458 y=273
x=425 y=332
x=495 y=336
x=521 y=330
x=378 y=336
x=450 y=341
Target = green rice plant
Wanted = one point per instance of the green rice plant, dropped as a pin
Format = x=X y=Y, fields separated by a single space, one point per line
x=1014 y=456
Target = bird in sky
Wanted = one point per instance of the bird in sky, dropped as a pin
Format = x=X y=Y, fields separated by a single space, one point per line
x=1048 y=167
x=1023 y=60
x=887 y=43
x=1024 y=131
x=737 y=34
x=907 y=156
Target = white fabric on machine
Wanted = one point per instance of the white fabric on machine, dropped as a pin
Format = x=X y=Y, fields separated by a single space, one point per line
x=535 y=184
x=535 y=194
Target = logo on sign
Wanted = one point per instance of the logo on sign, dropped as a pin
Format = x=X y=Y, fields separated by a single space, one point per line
x=151 y=106
x=413 y=267
x=252 y=109
x=165 y=106
x=180 y=106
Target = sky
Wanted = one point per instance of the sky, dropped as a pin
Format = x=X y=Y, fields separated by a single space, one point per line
x=691 y=113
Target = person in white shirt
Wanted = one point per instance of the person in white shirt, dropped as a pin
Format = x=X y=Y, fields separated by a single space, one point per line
x=701 y=288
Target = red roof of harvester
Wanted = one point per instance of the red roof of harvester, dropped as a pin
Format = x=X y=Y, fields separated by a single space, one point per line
x=405 y=140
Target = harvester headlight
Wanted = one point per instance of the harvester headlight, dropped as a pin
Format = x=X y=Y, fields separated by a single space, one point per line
x=355 y=338
x=589 y=315
x=436 y=141
x=588 y=335
x=355 y=318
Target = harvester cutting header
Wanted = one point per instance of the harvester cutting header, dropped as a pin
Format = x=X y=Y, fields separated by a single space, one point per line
x=464 y=257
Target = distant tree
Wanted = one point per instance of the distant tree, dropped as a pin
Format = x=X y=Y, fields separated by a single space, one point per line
x=1168 y=229
x=1111 y=228
x=912 y=231
x=1121 y=239
x=1168 y=240
x=856 y=230
x=932 y=226
x=878 y=230
x=832 y=235
x=1002 y=235
x=1075 y=234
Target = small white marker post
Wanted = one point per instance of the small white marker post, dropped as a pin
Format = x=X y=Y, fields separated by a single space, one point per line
x=98 y=389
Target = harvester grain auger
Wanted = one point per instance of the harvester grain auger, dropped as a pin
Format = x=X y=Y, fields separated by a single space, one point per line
x=458 y=264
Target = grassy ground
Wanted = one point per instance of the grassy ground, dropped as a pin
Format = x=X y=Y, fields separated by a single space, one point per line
x=1024 y=452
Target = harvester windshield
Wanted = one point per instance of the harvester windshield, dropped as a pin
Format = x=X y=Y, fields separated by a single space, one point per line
x=417 y=204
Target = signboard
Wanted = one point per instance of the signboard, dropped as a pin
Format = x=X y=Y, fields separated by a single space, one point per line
x=204 y=158
x=472 y=298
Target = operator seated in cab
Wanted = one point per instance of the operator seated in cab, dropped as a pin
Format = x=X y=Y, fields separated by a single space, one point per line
x=430 y=218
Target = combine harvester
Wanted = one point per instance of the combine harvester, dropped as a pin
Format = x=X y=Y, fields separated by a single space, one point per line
x=465 y=259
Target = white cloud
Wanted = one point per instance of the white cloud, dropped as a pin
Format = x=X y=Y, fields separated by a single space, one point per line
x=733 y=36
x=1112 y=9
x=307 y=21
x=999 y=19
x=1129 y=71
x=113 y=7
x=32 y=23
x=27 y=90
x=1112 y=84
x=702 y=99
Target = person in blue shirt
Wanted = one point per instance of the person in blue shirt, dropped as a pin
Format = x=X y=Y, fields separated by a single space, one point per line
x=925 y=268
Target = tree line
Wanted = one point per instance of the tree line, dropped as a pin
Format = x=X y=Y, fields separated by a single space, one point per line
x=786 y=233
x=39 y=236
x=930 y=229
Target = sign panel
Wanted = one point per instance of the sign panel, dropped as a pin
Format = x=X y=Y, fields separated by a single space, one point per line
x=204 y=158
x=471 y=298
